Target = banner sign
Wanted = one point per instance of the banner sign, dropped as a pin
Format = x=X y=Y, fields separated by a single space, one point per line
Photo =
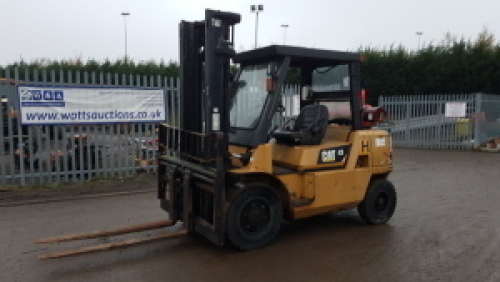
x=90 y=105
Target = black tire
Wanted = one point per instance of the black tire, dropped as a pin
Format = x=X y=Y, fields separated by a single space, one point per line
x=254 y=218
x=379 y=203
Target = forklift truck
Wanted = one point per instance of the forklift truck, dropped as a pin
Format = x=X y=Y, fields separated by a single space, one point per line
x=228 y=173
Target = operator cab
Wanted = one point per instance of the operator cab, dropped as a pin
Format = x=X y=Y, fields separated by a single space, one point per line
x=330 y=83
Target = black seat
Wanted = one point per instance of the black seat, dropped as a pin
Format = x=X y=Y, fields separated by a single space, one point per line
x=309 y=128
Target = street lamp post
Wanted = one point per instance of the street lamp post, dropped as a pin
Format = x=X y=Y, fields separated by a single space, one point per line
x=284 y=26
x=419 y=33
x=125 y=14
x=256 y=9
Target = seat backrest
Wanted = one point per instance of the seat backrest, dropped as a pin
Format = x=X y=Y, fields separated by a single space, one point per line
x=311 y=123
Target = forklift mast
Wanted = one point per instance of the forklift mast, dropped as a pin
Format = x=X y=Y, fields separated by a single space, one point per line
x=206 y=48
x=192 y=166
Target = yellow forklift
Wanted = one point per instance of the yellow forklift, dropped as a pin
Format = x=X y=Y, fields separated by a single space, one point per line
x=230 y=174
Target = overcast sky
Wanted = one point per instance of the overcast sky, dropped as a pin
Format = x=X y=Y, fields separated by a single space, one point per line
x=69 y=29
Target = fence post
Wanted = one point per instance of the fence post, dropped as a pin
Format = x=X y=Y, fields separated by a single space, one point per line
x=20 y=140
x=408 y=101
x=477 y=112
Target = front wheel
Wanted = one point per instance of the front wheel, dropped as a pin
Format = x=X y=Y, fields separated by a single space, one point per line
x=254 y=218
x=379 y=203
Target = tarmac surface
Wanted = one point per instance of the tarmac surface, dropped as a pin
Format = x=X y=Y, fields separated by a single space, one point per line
x=446 y=228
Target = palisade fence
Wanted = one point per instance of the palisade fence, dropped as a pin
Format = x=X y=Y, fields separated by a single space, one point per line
x=423 y=121
x=43 y=154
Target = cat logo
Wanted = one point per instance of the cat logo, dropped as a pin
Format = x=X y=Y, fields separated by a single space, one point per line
x=328 y=156
x=333 y=155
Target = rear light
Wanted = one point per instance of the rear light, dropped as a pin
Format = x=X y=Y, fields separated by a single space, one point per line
x=373 y=115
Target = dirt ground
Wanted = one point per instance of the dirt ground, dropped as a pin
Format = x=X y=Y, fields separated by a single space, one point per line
x=446 y=228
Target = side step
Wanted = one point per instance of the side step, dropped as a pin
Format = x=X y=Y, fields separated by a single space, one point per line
x=111 y=232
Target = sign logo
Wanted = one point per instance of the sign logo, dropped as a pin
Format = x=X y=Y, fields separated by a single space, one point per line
x=42 y=98
x=42 y=95
x=333 y=155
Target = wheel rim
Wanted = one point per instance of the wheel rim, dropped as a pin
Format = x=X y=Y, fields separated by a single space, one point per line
x=381 y=203
x=255 y=216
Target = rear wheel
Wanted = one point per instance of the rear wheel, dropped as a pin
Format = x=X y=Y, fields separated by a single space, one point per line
x=379 y=203
x=254 y=218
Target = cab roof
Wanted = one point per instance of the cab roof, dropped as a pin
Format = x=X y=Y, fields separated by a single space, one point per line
x=300 y=56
